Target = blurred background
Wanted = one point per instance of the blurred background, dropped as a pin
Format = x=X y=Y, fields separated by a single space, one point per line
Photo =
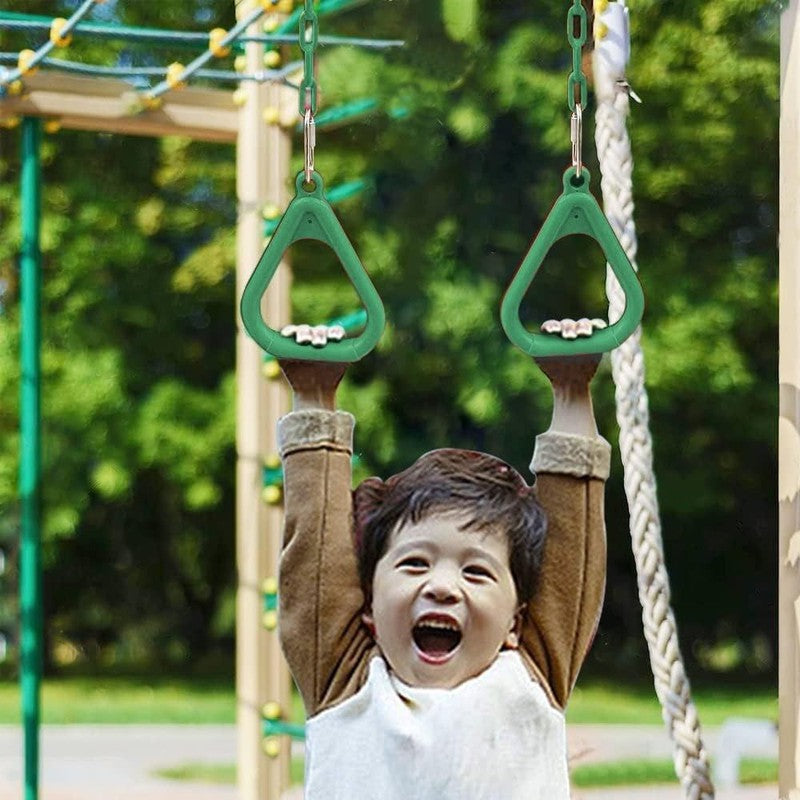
x=463 y=157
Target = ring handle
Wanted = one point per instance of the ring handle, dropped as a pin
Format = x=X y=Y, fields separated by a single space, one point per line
x=309 y=216
x=574 y=212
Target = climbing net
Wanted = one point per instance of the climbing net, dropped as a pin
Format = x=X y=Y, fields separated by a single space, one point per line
x=215 y=45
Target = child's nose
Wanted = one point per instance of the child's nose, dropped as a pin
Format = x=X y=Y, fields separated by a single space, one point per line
x=443 y=586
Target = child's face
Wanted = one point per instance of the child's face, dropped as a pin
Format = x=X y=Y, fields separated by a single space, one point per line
x=443 y=601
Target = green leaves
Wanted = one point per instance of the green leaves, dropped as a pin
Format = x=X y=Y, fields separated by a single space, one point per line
x=461 y=19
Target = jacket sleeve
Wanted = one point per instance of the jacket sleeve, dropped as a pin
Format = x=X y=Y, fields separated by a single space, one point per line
x=320 y=597
x=563 y=613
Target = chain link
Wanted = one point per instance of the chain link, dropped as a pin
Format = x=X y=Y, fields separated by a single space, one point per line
x=309 y=35
x=577 y=91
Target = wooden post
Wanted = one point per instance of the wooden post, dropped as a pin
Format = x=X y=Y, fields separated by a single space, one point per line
x=263 y=153
x=789 y=419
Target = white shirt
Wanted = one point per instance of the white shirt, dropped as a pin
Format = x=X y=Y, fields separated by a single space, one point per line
x=493 y=737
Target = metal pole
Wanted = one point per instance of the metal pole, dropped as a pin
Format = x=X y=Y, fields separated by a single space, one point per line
x=789 y=419
x=30 y=469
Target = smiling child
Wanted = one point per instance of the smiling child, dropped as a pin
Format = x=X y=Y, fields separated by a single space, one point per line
x=435 y=623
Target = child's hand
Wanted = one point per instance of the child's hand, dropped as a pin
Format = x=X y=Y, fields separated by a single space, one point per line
x=313 y=382
x=575 y=370
x=573 y=328
x=315 y=335
x=570 y=377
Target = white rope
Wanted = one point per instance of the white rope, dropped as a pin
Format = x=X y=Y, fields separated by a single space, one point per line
x=616 y=165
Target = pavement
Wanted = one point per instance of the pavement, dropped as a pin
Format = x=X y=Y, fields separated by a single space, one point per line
x=117 y=762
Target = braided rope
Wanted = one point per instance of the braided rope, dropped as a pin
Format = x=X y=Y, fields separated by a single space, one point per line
x=671 y=682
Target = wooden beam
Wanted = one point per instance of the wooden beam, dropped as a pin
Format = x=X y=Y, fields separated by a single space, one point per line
x=263 y=155
x=106 y=104
x=789 y=414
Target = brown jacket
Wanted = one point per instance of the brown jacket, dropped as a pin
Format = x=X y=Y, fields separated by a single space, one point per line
x=327 y=646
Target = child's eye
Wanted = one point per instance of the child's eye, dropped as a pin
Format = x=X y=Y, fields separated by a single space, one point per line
x=415 y=562
x=477 y=571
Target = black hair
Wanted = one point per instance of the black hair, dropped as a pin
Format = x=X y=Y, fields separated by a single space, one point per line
x=490 y=493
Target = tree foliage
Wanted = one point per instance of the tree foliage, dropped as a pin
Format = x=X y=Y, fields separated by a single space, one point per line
x=465 y=157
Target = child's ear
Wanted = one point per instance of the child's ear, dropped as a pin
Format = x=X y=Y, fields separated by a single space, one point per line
x=369 y=622
x=515 y=631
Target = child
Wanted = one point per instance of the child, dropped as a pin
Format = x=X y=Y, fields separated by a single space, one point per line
x=432 y=661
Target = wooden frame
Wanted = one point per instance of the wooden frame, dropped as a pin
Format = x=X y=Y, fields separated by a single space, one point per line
x=109 y=105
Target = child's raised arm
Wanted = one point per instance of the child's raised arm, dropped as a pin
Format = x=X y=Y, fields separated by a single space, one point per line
x=319 y=591
x=571 y=463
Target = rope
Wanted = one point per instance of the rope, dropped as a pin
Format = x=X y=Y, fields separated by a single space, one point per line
x=44 y=50
x=197 y=40
x=628 y=368
x=182 y=75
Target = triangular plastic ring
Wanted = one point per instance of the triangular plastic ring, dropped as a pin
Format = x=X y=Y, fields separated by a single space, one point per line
x=310 y=216
x=575 y=211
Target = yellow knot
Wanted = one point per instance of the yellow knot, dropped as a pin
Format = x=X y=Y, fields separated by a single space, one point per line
x=270 y=620
x=215 y=38
x=600 y=6
x=239 y=97
x=270 y=24
x=9 y=122
x=600 y=30
x=271 y=211
x=269 y=586
x=272 y=115
x=272 y=495
x=271 y=369
x=15 y=88
x=272 y=747
x=272 y=461
x=152 y=103
x=174 y=72
x=272 y=59
x=55 y=33
x=23 y=62
x=271 y=710
x=240 y=63
x=52 y=126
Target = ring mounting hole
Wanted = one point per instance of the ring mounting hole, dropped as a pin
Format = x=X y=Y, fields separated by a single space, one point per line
x=577 y=182
x=309 y=186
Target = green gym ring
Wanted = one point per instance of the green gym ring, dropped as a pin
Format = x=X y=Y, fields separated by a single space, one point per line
x=310 y=216
x=575 y=211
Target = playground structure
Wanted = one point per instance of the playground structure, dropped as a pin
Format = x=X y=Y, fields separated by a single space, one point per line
x=269 y=177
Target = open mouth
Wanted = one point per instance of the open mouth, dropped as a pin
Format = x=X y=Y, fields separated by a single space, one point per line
x=436 y=637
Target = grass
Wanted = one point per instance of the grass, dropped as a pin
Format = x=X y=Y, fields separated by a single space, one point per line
x=641 y=772
x=154 y=699
x=124 y=700
x=602 y=702
x=219 y=773
x=645 y=772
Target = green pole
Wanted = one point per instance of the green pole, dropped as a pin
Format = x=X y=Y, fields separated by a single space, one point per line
x=29 y=470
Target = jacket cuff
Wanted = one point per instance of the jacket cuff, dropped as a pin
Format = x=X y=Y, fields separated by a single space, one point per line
x=572 y=454
x=312 y=429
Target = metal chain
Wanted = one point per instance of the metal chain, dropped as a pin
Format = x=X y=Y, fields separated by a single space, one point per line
x=309 y=35
x=577 y=91
x=576 y=86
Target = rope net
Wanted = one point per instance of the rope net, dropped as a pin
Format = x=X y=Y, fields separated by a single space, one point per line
x=628 y=368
